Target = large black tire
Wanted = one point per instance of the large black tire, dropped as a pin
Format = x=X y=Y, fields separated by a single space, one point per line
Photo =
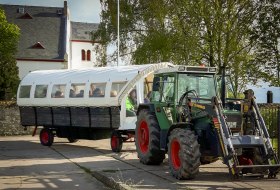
x=183 y=154
x=147 y=139
x=116 y=141
x=46 y=137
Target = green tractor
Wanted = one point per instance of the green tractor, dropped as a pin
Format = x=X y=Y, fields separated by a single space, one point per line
x=186 y=119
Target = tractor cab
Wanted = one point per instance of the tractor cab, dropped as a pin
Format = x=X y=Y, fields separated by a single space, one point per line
x=183 y=88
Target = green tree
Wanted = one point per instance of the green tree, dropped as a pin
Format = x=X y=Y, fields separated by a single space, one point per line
x=214 y=32
x=266 y=35
x=9 y=36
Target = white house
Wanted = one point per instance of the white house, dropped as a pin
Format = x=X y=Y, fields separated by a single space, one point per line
x=49 y=40
x=83 y=49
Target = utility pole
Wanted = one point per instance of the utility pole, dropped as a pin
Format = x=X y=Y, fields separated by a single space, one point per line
x=118 y=40
x=278 y=57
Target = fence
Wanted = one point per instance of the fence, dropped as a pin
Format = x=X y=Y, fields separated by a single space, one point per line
x=271 y=116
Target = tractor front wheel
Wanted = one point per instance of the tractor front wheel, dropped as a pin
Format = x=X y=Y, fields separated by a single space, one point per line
x=46 y=137
x=147 y=139
x=183 y=154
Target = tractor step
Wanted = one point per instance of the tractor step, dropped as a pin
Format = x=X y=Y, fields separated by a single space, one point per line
x=276 y=166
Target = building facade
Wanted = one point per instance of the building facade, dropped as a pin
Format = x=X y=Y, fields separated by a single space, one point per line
x=49 y=40
x=83 y=48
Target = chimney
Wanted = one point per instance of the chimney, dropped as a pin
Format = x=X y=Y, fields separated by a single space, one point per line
x=65 y=9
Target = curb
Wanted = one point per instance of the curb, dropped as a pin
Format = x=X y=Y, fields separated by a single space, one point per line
x=110 y=182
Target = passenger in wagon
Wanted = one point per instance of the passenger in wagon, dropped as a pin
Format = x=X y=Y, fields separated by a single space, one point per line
x=131 y=104
x=44 y=93
x=114 y=93
x=58 y=94
x=72 y=93
x=92 y=88
x=97 y=93
x=81 y=94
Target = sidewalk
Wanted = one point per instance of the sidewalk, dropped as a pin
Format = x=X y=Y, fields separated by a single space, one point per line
x=24 y=163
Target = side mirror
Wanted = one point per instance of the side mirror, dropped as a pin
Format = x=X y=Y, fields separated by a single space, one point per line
x=156 y=84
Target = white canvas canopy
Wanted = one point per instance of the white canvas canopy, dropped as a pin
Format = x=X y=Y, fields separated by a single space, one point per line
x=131 y=74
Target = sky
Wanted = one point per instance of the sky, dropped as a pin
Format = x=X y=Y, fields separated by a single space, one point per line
x=80 y=10
x=261 y=92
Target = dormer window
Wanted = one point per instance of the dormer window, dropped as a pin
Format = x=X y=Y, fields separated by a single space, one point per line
x=26 y=16
x=38 y=45
x=21 y=10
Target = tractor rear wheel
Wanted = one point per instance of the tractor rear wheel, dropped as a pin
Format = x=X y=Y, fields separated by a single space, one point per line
x=46 y=137
x=183 y=154
x=147 y=139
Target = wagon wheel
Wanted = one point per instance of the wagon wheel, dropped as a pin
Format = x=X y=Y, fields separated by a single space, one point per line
x=46 y=137
x=72 y=140
x=116 y=141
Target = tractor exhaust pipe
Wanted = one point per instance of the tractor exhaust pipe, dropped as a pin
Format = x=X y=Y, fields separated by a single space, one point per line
x=223 y=86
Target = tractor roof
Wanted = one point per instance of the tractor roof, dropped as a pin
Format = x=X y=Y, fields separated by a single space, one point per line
x=188 y=69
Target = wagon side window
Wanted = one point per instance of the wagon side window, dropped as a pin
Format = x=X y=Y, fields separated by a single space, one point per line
x=41 y=91
x=58 y=91
x=77 y=90
x=97 y=90
x=117 y=87
x=25 y=91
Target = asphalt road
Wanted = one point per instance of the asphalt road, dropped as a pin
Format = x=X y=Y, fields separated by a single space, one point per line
x=25 y=164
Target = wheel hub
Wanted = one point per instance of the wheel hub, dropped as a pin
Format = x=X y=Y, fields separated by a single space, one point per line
x=143 y=132
x=114 y=141
x=45 y=137
x=175 y=154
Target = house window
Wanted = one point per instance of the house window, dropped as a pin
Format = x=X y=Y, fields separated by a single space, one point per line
x=21 y=10
x=83 y=55
x=88 y=55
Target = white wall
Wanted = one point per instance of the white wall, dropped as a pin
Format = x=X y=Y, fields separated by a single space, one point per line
x=27 y=66
x=76 y=55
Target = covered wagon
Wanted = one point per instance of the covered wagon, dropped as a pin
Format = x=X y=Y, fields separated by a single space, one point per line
x=93 y=103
